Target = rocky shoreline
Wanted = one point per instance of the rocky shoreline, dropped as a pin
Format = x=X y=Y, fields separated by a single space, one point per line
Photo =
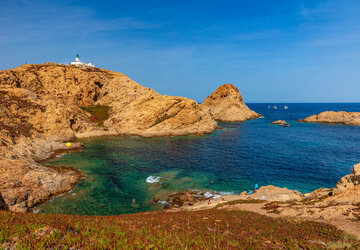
x=44 y=106
x=339 y=206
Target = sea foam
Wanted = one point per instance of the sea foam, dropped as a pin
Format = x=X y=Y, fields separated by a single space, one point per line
x=152 y=179
x=216 y=195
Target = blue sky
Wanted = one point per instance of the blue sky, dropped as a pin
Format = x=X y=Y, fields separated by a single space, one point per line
x=273 y=51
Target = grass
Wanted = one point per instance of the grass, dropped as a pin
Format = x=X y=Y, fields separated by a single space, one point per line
x=207 y=229
x=99 y=113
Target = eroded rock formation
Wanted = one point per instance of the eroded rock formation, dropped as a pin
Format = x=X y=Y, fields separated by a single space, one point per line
x=226 y=104
x=341 y=117
x=43 y=106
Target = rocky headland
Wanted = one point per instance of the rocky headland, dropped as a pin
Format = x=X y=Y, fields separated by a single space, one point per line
x=340 y=117
x=46 y=105
x=226 y=104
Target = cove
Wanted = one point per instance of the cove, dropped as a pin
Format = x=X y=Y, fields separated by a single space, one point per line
x=304 y=157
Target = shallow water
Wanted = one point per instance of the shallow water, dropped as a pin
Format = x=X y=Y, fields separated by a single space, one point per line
x=304 y=156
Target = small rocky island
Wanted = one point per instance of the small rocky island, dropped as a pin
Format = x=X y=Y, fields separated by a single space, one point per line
x=340 y=117
x=226 y=104
x=281 y=123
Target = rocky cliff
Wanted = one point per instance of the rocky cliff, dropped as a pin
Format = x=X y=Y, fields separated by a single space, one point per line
x=226 y=104
x=43 y=106
x=341 y=117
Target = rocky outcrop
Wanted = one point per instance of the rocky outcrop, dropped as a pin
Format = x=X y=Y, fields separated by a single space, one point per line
x=279 y=122
x=44 y=106
x=227 y=105
x=348 y=181
x=272 y=193
x=25 y=184
x=341 y=117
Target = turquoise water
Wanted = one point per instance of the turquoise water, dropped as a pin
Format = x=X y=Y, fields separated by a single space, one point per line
x=304 y=156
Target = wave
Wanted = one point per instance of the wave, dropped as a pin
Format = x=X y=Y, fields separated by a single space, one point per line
x=153 y=179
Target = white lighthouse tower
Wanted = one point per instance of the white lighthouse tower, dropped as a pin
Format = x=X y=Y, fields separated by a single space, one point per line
x=79 y=63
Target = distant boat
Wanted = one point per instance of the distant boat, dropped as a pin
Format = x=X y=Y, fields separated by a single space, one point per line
x=286 y=107
x=268 y=106
x=274 y=107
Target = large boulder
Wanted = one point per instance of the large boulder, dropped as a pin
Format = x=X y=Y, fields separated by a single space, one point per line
x=226 y=104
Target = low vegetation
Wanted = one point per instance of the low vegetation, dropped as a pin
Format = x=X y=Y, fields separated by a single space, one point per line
x=99 y=113
x=220 y=229
x=234 y=202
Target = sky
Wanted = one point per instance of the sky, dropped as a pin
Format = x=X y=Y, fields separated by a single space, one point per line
x=273 y=51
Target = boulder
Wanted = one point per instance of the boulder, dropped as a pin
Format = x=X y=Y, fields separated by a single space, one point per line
x=226 y=104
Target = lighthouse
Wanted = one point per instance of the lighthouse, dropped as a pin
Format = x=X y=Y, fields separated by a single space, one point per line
x=80 y=63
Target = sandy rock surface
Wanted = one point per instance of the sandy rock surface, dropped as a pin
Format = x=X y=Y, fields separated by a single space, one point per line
x=341 y=117
x=226 y=104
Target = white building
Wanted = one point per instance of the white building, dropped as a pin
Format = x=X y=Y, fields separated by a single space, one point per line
x=79 y=63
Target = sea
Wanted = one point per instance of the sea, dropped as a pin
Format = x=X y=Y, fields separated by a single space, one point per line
x=304 y=156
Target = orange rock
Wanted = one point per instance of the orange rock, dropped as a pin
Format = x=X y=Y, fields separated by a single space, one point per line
x=279 y=122
x=227 y=105
x=341 y=117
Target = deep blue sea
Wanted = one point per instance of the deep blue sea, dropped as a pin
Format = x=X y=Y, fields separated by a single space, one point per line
x=305 y=156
